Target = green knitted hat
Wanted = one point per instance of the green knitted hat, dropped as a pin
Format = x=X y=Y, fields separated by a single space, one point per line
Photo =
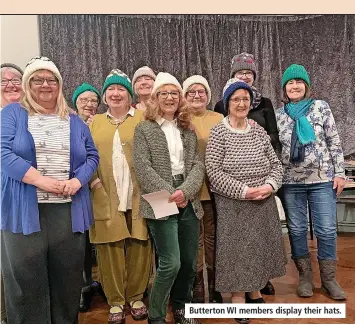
x=81 y=89
x=295 y=71
x=117 y=77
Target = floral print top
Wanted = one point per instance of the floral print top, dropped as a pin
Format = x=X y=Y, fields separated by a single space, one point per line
x=323 y=158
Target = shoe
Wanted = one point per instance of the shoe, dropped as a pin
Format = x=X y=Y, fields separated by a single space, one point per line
x=249 y=300
x=304 y=266
x=268 y=290
x=242 y=320
x=215 y=297
x=97 y=289
x=138 y=310
x=151 y=321
x=327 y=270
x=116 y=315
x=179 y=318
x=85 y=301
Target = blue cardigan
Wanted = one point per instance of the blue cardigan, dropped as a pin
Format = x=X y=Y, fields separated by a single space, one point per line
x=19 y=204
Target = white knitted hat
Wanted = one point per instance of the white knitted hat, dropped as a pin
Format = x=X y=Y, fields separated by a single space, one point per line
x=143 y=71
x=196 y=79
x=165 y=78
x=40 y=63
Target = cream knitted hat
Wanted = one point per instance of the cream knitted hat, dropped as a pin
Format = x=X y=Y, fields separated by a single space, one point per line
x=165 y=78
x=143 y=71
x=196 y=79
x=40 y=63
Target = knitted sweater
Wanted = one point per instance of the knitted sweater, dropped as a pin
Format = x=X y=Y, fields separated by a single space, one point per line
x=153 y=169
x=237 y=160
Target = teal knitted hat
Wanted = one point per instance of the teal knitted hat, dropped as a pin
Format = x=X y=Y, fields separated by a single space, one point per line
x=295 y=71
x=81 y=89
x=117 y=77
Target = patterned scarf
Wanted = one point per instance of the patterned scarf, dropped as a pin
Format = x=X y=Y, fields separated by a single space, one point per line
x=257 y=98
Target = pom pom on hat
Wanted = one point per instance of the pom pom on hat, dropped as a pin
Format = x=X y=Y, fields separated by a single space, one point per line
x=196 y=79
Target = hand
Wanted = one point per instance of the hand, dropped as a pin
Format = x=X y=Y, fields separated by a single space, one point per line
x=178 y=197
x=89 y=120
x=338 y=183
x=182 y=205
x=259 y=193
x=97 y=185
x=49 y=184
x=71 y=186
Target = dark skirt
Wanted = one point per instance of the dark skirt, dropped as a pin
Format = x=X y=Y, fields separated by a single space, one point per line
x=249 y=244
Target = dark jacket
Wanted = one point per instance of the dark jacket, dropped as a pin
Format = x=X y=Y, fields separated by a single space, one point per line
x=264 y=115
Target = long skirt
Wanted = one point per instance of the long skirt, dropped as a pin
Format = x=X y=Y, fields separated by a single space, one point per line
x=249 y=244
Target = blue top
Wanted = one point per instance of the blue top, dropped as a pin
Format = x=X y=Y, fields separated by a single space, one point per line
x=19 y=204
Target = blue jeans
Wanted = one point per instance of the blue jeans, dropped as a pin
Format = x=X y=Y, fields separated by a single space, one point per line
x=321 y=198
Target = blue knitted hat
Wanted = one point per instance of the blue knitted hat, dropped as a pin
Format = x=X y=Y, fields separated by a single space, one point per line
x=231 y=86
x=81 y=89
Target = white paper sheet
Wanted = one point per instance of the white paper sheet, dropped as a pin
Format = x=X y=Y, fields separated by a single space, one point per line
x=160 y=205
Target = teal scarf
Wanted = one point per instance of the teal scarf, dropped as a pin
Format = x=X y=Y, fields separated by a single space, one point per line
x=297 y=111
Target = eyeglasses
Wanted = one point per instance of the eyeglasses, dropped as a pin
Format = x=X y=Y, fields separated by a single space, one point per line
x=248 y=74
x=239 y=100
x=165 y=94
x=86 y=101
x=14 y=81
x=192 y=93
x=40 y=81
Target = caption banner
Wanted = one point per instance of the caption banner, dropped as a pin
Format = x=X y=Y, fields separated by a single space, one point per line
x=265 y=310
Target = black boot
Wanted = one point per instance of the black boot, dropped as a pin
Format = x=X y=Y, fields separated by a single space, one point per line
x=268 y=290
x=85 y=301
x=199 y=289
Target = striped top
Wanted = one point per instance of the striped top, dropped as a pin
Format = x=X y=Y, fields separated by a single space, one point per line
x=51 y=135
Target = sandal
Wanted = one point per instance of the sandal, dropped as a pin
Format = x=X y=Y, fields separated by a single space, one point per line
x=138 y=310
x=116 y=315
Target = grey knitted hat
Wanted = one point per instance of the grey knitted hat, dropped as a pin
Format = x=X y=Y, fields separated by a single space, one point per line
x=243 y=61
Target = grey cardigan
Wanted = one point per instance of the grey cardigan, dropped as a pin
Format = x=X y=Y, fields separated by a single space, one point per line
x=153 y=169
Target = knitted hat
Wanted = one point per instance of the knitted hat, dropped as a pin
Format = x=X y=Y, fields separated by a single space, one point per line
x=165 y=78
x=295 y=71
x=117 y=77
x=143 y=71
x=11 y=65
x=81 y=89
x=243 y=61
x=40 y=63
x=231 y=86
x=196 y=79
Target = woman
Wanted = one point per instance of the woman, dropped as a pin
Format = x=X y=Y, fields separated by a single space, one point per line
x=198 y=95
x=11 y=92
x=11 y=84
x=86 y=99
x=166 y=157
x=119 y=231
x=47 y=159
x=314 y=175
x=244 y=172
x=143 y=81
x=261 y=111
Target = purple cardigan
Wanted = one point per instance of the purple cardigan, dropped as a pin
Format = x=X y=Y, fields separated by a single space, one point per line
x=19 y=204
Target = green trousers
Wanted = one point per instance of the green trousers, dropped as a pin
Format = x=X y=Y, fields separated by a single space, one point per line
x=176 y=243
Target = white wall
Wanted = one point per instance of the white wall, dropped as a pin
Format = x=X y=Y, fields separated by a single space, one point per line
x=19 y=38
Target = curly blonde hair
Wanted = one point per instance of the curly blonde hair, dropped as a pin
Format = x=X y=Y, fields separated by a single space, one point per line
x=182 y=114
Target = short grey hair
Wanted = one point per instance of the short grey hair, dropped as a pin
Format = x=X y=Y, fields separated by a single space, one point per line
x=12 y=70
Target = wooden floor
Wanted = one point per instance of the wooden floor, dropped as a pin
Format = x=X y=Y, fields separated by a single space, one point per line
x=285 y=291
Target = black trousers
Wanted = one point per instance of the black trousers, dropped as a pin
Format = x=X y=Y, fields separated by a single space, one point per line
x=42 y=271
x=88 y=262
